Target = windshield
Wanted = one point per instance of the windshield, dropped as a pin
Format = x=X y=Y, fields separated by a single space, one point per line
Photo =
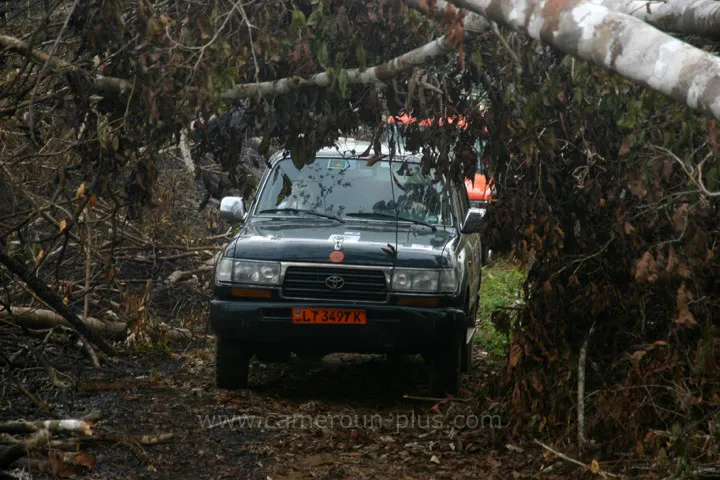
x=356 y=189
x=398 y=133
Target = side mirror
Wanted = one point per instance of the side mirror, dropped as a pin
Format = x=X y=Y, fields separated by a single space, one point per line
x=233 y=209
x=473 y=221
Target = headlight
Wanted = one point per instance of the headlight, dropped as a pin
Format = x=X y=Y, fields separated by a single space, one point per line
x=247 y=271
x=426 y=281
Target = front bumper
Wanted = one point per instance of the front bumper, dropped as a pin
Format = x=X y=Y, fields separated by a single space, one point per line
x=389 y=328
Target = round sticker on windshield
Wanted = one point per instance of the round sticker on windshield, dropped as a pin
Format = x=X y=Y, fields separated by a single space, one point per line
x=337 y=256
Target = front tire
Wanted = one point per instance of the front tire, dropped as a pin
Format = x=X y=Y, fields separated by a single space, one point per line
x=487 y=255
x=466 y=362
x=232 y=363
x=445 y=369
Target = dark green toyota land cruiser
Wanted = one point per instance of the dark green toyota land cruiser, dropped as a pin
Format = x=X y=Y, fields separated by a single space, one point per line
x=349 y=254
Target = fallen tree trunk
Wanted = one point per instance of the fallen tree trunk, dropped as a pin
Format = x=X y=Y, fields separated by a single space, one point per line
x=33 y=465
x=36 y=319
x=693 y=17
x=113 y=438
x=54 y=301
x=615 y=41
x=43 y=319
x=19 y=450
x=71 y=425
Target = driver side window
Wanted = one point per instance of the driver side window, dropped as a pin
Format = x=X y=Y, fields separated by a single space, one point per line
x=461 y=200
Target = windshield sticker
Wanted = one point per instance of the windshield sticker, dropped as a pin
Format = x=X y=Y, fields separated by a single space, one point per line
x=338 y=163
x=347 y=237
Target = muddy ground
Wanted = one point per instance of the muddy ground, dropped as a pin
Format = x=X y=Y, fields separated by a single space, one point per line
x=348 y=416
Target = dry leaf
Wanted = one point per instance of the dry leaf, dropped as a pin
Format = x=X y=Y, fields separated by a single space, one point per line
x=93 y=200
x=680 y=217
x=595 y=467
x=636 y=357
x=83 y=459
x=63 y=225
x=434 y=459
x=684 y=317
x=64 y=465
x=515 y=354
x=646 y=268
x=624 y=148
x=638 y=187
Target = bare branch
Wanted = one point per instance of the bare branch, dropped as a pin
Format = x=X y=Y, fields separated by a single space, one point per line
x=695 y=175
x=100 y=82
x=374 y=75
x=52 y=299
x=472 y=22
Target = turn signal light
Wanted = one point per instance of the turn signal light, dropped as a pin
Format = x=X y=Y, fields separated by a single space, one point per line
x=418 y=301
x=251 y=293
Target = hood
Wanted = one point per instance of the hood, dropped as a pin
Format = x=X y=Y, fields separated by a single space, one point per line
x=310 y=240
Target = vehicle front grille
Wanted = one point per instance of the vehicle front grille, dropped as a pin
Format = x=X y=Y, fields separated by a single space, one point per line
x=358 y=284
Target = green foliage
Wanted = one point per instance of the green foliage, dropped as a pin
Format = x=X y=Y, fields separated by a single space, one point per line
x=501 y=288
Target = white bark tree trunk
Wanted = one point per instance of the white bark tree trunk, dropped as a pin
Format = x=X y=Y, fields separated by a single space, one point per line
x=615 y=41
x=375 y=75
x=695 y=17
x=70 y=425
x=42 y=319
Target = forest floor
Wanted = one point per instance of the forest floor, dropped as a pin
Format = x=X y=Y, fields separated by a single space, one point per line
x=344 y=417
x=347 y=416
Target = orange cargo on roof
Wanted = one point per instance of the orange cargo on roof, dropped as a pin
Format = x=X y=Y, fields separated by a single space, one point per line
x=406 y=119
x=480 y=188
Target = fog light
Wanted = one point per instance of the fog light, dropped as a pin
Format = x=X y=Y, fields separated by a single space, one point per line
x=251 y=293
x=418 y=301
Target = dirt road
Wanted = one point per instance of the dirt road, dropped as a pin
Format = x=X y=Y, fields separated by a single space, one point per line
x=345 y=417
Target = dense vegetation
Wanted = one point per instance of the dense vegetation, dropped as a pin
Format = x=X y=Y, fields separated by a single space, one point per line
x=607 y=191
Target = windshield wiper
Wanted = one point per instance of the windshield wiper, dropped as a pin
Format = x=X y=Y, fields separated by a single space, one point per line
x=393 y=217
x=302 y=210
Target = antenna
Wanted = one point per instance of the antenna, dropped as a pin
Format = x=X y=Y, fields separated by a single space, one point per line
x=394 y=130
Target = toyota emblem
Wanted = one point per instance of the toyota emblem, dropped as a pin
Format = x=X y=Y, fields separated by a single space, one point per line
x=334 y=282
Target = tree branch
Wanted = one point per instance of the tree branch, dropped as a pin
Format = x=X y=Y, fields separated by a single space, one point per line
x=57 y=65
x=377 y=74
x=52 y=299
x=694 y=17
x=472 y=22
x=617 y=42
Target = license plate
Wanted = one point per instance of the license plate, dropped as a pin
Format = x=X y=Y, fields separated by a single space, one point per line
x=328 y=316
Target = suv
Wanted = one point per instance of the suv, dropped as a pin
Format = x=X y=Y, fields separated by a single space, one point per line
x=349 y=253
